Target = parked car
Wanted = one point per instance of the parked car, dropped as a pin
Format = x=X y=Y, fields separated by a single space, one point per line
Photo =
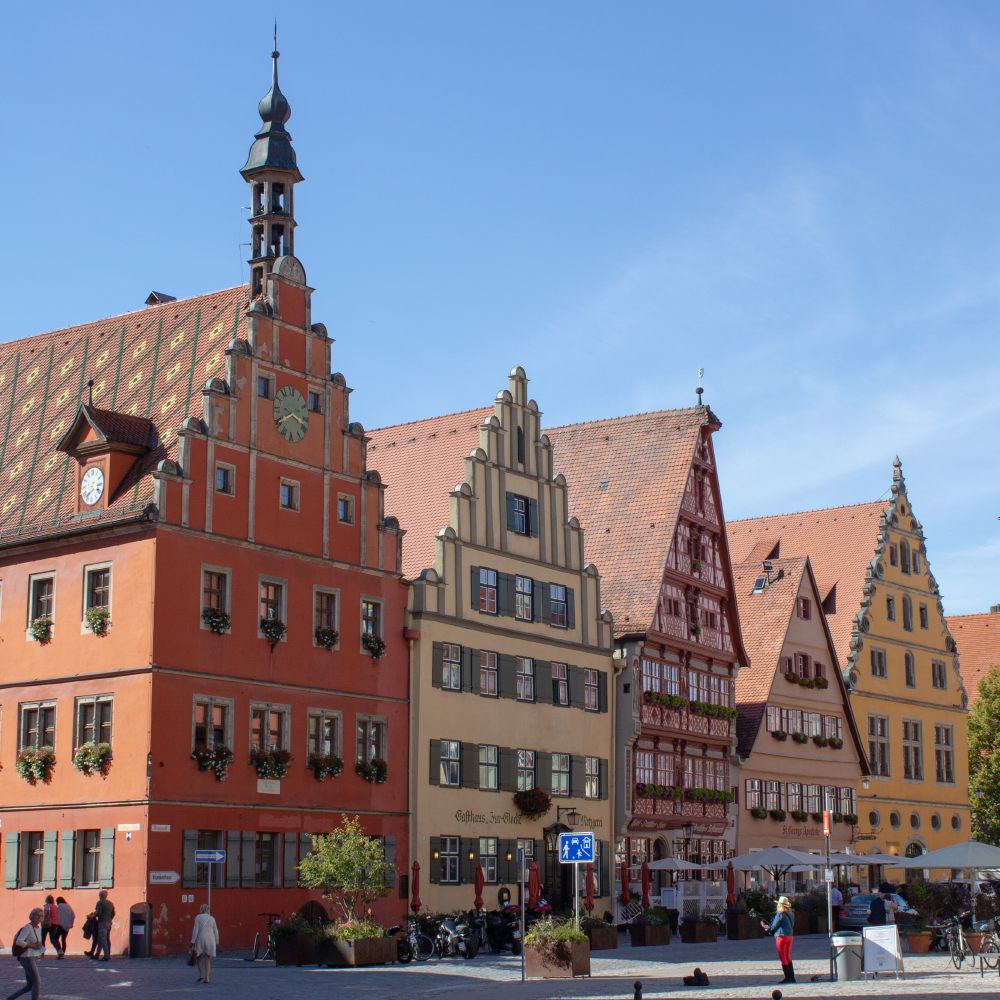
x=854 y=912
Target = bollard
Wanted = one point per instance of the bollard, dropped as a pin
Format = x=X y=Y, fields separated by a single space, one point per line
x=776 y=995
x=638 y=990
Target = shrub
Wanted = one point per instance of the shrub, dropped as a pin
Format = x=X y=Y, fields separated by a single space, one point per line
x=216 y=758
x=779 y=734
x=323 y=765
x=674 y=701
x=777 y=814
x=274 y=630
x=707 y=795
x=375 y=645
x=532 y=803
x=41 y=630
x=271 y=763
x=35 y=765
x=293 y=926
x=99 y=621
x=374 y=771
x=655 y=916
x=326 y=638
x=553 y=940
x=800 y=737
x=90 y=757
x=717 y=711
x=216 y=620
x=757 y=903
x=352 y=930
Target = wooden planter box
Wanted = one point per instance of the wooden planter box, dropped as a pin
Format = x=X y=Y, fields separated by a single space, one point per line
x=918 y=943
x=361 y=951
x=743 y=927
x=602 y=938
x=286 y=950
x=646 y=935
x=698 y=933
x=536 y=967
x=801 y=925
x=818 y=923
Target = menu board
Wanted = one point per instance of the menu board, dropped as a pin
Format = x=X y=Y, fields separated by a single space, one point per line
x=883 y=950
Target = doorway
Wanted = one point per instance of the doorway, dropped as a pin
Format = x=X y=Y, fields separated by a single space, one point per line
x=558 y=885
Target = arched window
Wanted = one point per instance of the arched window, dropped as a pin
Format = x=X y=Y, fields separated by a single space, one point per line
x=520 y=445
x=907 y=613
x=911 y=673
x=904 y=556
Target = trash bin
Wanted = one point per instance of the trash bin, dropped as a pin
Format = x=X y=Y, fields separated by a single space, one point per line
x=848 y=952
x=140 y=931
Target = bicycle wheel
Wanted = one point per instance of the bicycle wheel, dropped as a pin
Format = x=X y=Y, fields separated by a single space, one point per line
x=425 y=948
x=256 y=946
x=956 y=950
x=990 y=950
x=403 y=950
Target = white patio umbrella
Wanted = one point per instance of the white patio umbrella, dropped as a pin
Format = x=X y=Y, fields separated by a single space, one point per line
x=970 y=854
x=776 y=861
x=676 y=865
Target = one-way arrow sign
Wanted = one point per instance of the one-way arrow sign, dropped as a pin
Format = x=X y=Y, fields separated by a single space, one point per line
x=204 y=857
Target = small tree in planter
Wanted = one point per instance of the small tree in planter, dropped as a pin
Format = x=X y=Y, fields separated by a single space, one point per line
x=325 y=765
x=99 y=621
x=216 y=620
x=216 y=758
x=41 y=630
x=375 y=645
x=532 y=803
x=273 y=630
x=556 y=949
x=36 y=765
x=374 y=771
x=91 y=757
x=326 y=638
x=289 y=938
x=271 y=763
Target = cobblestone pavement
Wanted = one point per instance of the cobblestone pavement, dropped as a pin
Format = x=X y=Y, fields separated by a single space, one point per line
x=736 y=969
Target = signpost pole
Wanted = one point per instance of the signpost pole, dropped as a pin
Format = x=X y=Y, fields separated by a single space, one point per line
x=520 y=858
x=829 y=886
x=576 y=890
x=210 y=870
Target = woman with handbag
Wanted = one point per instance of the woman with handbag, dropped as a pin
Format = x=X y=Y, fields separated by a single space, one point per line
x=783 y=930
x=204 y=941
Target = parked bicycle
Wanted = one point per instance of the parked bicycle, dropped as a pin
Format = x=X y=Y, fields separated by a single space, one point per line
x=958 y=944
x=268 y=956
x=411 y=942
x=989 y=949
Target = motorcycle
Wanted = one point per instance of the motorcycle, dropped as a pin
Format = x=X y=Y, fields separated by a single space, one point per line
x=455 y=937
x=503 y=930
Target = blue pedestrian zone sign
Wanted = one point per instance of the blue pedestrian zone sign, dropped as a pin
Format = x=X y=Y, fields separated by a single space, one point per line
x=576 y=848
x=209 y=857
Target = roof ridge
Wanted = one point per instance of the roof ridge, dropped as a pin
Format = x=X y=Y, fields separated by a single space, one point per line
x=975 y=614
x=623 y=418
x=424 y=420
x=811 y=510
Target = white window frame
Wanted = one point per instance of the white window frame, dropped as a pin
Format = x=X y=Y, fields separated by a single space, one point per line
x=231 y=469
x=296 y=494
x=210 y=699
x=286 y=722
x=327 y=713
x=88 y=568
x=32 y=579
x=335 y=591
x=350 y=508
x=381 y=619
x=264 y=578
x=228 y=573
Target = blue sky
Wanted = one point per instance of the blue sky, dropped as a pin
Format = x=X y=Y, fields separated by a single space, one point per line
x=801 y=198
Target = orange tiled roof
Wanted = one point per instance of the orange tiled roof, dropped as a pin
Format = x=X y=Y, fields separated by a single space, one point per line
x=978 y=641
x=626 y=479
x=151 y=363
x=839 y=541
x=421 y=463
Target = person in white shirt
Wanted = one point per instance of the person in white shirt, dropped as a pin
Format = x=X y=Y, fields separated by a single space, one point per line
x=29 y=937
x=204 y=941
x=66 y=918
x=836 y=900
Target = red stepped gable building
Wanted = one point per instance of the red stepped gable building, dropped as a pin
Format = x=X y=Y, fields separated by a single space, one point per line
x=198 y=582
x=646 y=491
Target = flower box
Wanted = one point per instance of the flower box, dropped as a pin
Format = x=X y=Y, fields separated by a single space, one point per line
x=697 y=932
x=337 y=953
x=818 y=923
x=537 y=967
x=602 y=938
x=649 y=935
x=801 y=923
x=918 y=942
x=976 y=940
x=286 y=950
x=743 y=927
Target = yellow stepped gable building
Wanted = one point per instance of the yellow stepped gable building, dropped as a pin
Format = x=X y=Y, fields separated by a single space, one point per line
x=900 y=664
x=511 y=664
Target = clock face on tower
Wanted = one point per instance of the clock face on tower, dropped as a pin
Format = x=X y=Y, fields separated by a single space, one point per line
x=92 y=486
x=291 y=414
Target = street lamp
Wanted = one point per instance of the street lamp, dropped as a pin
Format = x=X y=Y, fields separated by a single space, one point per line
x=571 y=813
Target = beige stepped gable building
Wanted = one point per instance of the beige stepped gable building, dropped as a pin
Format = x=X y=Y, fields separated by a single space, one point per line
x=511 y=673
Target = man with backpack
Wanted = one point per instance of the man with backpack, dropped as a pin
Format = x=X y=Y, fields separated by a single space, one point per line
x=26 y=948
x=105 y=913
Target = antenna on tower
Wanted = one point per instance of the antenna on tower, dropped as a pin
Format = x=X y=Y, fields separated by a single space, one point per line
x=700 y=390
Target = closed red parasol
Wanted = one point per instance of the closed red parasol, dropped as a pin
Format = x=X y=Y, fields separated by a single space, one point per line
x=415 y=903
x=588 y=899
x=534 y=887
x=480 y=881
x=625 y=891
x=730 y=885
x=645 y=884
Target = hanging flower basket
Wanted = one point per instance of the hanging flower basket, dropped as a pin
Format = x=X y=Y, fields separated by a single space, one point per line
x=800 y=737
x=807 y=682
x=777 y=814
x=799 y=816
x=326 y=638
x=650 y=790
x=324 y=766
x=837 y=817
x=835 y=743
x=41 y=630
x=99 y=621
x=820 y=741
x=216 y=620
x=674 y=701
x=274 y=630
x=532 y=803
x=851 y=818
x=36 y=765
x=695 y=629
x=758 y=813
x=816 y=817
x=375 y=645
x=374 y=771
x=779 y=734
x=216 y=758
x=792 y=677
x=271 y=763
x=90 y=758
x=716 y=711
x=708 y=795
x=822 y=682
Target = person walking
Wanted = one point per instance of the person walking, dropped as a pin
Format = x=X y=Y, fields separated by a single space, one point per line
x=50 y=921
x=876 y=911
x=204 y=941
x=31 y=941
x=782 y=929
x=105 y=913
x=836 y=901
x=66 y=920
x=891 y=906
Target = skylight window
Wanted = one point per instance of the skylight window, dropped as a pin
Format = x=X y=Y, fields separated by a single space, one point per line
x=758 y=585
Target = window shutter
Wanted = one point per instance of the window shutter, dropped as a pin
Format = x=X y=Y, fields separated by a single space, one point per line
x=437 y=664
x=435 y=762
x=533 y=511
x=577 y=776
x=540 y=858
x=546 y=604
x=507 y=670
x=508 y=773
x=470 y=670
x=502 y=595
x=389 y=848
x=570 y=608
x=51 y=843
x=67 y=857
x=603 y=779
x=189 y=870
x=289 y=842
x=575 y=686
x=543 y=771
x=474 y=587
x=602 y=690
x=506 y=870
x=543 y=681
x=605 y=886
x=466 y=865
x=248 y=858
x=232 y=859
x=536 y=600
x=107 y=856
x=510 y=511
x=305 y=849
x=10 y=869
x=434 y=864
x=511 y=594
x=470 y=765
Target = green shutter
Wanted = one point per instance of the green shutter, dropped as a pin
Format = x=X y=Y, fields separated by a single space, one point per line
x=189 y=867
x=474 y=587
x=508 y=773
x=506 y=870
x=289 y=842
x=470 y=765
x=536 y=600
x=543 y=771
x=510 y=512
x=437 y=664
x=511 y=594
x=107 y=857
x=605 y=791
x=389 y=851
x=507 y=679
x=51 y=843
x=577 y=776
x=505 y=601
x=248 y=858
x=435 y=762
x=67 y=857
x=434 y=864
x=305 y=848
x=546 y=604
x=605 y=887
x=576 y=696
x=466 y=865
x=570 y=608
x=10 y=870
x=543 y=681
x=470 y=670
x=533 y=512
x=232 y=859
x=602 y=690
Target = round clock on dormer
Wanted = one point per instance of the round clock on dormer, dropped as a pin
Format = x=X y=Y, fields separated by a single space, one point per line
x=291 y=415
x=92 y=486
